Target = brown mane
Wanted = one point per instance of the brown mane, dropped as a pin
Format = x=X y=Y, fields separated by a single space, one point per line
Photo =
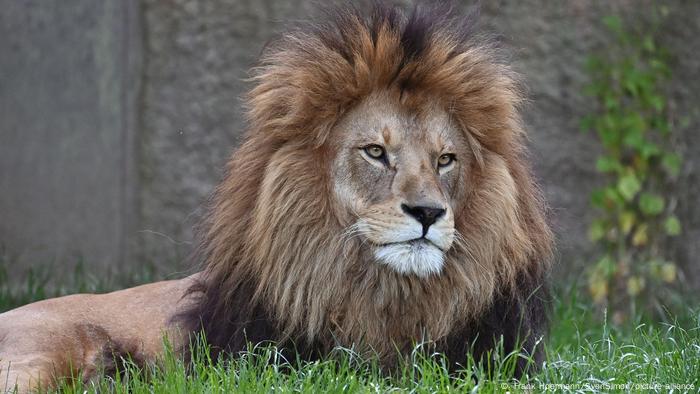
x=276 y=265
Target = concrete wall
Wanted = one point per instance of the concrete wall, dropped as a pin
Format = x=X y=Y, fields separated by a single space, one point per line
x=67 y=82
x=195 y=57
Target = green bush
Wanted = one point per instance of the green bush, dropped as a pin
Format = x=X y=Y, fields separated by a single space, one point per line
x=635 y=127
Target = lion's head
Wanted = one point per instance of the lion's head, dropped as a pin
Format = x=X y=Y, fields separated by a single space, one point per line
x=380 y=196
x=396 y=181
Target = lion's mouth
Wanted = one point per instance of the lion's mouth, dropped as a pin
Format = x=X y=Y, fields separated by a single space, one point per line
x=416 y=242
x=417 y=256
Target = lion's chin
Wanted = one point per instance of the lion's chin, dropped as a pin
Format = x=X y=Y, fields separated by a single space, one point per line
x=421 y=258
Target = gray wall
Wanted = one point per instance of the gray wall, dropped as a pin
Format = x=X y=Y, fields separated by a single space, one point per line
x=67 y=78
x=109 y=157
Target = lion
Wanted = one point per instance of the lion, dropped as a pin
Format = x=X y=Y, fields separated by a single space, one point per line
x=381 y=198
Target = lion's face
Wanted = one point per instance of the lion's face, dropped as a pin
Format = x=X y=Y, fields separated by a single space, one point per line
x=397 y=175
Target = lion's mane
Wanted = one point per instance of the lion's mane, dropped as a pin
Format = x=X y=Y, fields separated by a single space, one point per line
x=276 y=265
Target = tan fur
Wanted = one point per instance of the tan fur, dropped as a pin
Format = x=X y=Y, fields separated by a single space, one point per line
x=79 y=335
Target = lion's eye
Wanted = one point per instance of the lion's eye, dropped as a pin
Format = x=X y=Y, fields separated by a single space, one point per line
x=374 y=151
x=445 y=160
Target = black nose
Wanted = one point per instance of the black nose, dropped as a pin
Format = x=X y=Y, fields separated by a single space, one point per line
x=425 y=215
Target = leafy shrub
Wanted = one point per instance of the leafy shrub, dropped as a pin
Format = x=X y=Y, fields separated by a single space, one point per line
x=635 y=127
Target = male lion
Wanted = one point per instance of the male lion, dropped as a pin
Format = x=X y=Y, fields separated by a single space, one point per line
x=381 y=198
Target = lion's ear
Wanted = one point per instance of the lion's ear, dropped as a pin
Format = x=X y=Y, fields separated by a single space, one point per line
x=475 y=147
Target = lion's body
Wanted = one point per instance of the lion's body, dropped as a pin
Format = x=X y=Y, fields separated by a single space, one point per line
x=381 y=198
x=84 y=334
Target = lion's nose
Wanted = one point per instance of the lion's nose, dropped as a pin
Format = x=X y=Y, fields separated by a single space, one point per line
x=425 y=215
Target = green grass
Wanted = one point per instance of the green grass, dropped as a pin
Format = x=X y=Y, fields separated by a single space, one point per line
x=584 y=354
